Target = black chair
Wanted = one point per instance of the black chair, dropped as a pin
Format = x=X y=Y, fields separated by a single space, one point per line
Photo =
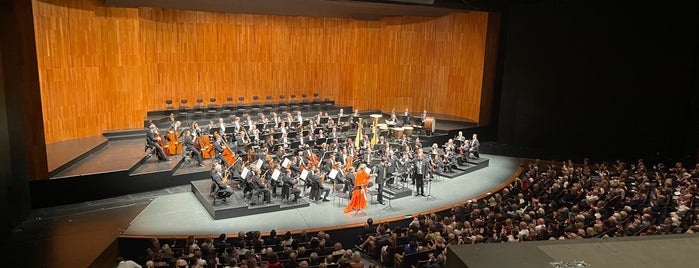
x=227 y=107
x=316 y=103
x=212 y=107
x=283 y=104
x=268 y=105
x=255 y=105
x=328 y=104
x=216 y=192
x=293 y=103
x=241 y=106
x=183 y=110
x=198 y=109
x=169 y=106
x=305 y=103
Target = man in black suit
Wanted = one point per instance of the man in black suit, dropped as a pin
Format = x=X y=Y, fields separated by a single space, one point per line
x=153 y=142
x=224 y=190
x=289 y=186
x=381 y=178
x=420 y=163
x=260 y=187
x=189 y=143
x=219 y=147
x=315 y=182
x=475 y=144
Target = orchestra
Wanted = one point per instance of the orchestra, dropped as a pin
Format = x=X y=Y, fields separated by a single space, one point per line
x=323 y=145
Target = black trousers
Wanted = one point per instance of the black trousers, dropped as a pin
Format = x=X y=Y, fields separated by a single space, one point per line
x=419 y=183
x=159 y=152
x=196 y=154
x=379 y=196
x=220 y=157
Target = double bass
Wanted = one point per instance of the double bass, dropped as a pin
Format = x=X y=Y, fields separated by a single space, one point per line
x=161 y=142
x=174 y=144
x=203 y=143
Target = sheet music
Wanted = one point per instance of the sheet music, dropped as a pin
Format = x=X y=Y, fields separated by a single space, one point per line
x=286 y=163
x=367 y=170
x=258 y=164
x=333 y=173
x=304 y=174
x=244 y=173
x=275 y=174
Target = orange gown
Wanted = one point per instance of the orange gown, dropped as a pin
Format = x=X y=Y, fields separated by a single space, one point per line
x=358 y=200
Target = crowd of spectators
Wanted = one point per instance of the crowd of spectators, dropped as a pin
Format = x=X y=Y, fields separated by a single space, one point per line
x=251 y=250
x=546 y=201
x=551 y=202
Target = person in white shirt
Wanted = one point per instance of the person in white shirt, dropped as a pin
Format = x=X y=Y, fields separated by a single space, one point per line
x=121 y=263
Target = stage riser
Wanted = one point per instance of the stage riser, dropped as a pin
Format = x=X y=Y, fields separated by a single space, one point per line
x=474 y=164
x=395 y=194
x=235 y=205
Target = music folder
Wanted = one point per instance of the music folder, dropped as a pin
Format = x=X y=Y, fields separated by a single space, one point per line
x=244 y=173
x=333 y=174
x=304 y=174
x=286 y=163
x=275 y=174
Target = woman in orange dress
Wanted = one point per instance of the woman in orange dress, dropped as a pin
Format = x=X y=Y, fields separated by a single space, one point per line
x=358 y=201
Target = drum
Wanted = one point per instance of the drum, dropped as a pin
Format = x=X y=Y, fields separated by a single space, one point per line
x=381 y=125
x=408 y=131
x=398 y=132
x=383 y=130
x=429 y=125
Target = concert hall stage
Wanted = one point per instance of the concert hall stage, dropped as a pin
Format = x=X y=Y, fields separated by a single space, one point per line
x=116 y=163
x=183 y=214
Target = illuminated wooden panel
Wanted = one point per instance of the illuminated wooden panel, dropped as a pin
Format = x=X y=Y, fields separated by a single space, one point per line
x=103 y=68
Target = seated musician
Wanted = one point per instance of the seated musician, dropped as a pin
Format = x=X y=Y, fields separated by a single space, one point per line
x=289 y=119
x=299 y=117
x=341 y=113
x=321 y=134
x=393 y=120
x=289 y=186
x=449 y=145
x=259 y=186
x=349 y=179
x=236 y=124
x=434 y=150
x=465 y=152
x=331 y=122
x=219 y=147
x=254 y=134
x=333 y=133
x=249 y=123
x=283 y=128
x=269 y=143
x=417 y=145
x=365 y=143
x=459 y=138
x=275 y=120
x=284 y=140
x=318 y=117
x=152 y=141
x=224 y=190
x=317 y=185
x=423 y=116
x=263 y=120
x=189 y=143
x=406 y=113
x=222 y=126
x=209 y=129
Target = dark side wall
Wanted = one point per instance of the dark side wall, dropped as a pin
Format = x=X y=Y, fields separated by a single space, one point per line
x=600 y=79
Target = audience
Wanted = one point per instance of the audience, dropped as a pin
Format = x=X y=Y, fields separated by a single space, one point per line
x=545 y=202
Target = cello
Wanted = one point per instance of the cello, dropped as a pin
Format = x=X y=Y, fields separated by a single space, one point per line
x=173 y=137
x=161 y=142
x=203 y=142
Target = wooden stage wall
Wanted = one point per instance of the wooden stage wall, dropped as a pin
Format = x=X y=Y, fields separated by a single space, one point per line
x=102 y=68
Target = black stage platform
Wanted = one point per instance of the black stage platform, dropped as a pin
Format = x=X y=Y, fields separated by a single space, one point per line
x=236 y=205
x=116 y=163
x=472 y=165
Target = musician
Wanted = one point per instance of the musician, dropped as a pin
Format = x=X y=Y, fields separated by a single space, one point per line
x=393 y=120
x=367 y=157
x=219 y=147
x=210 y=128
x=341 y=113
x=289 y=120
x=153 y=142
x=381 y=178
x=421 y=164
x=295 y=165
x=423 y=116
x=175 y=138
x=249 y=123
x=290 y=186
x=320 y=134
x=434 y=150
x=365 y=143
x=236 y=124
x=465 y=151
x=303 y=141
x=263 y=120
x=417 y=145
x=406 y=113
x=275 y=120
x=284 y=140
x=449 y=145
x=269 y=143
x=281 y=152
x=331 y=122
x=222 y=126
x=299 y=118
x=224 y=190
x=189 y=143
x=356 y=113
x=254 y=134
x=459 y=138
x=259 y=186
x=283 y=128
x=475 y=145
x=392 y=166
x=317 y=184
x=349 y=179
x=319 y=116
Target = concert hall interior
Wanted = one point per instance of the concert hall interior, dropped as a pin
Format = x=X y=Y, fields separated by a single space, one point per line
x=452 y=124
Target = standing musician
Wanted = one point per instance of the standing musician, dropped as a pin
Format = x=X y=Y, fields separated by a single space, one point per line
x=475 y=145
x=283 y=128
x=460 y=138
x=317 y=184
x=222 y=126
x=237 y=125
x=423 y=116
x=299 y=118
x=465 y=152
x=224 y=190
x=219 y=147
x=381 y=178
x=391 y=167
x=289 y=120
x=189 y=143
x=209 y=130
x=263 y=120
x=249 y=123
x=152 y=139
x=421 y=164
x=275 y=120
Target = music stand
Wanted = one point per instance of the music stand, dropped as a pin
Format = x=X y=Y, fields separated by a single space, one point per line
x=429 y=189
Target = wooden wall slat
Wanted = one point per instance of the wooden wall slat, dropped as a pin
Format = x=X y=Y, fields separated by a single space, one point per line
x=102 y=68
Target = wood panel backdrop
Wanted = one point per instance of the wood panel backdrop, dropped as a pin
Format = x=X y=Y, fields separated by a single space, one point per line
x=103 y=68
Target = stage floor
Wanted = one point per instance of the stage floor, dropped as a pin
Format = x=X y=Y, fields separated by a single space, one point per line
x=183 y=214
